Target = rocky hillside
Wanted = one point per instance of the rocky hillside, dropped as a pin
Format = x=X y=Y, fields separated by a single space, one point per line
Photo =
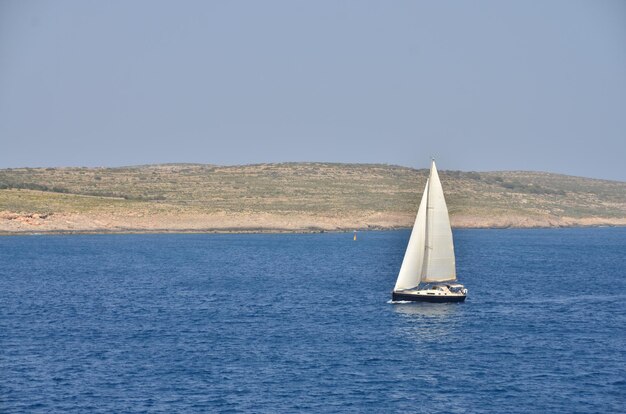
x=291 y=197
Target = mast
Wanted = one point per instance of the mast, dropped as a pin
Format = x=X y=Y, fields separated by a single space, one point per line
x=427 y=243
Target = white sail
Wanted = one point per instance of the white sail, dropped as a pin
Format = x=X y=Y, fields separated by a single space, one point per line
x=429 y=255
x=411 y=269
x=439 y=261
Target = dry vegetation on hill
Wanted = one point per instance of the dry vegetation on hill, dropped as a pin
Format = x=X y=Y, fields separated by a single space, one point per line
x=291 y=197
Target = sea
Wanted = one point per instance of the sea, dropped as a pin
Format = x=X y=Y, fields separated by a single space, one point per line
x=303 y=323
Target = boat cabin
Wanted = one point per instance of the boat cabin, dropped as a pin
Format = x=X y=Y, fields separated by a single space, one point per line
x=444 y=289
x=456 y=287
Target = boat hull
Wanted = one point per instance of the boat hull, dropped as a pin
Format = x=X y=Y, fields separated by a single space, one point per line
x=416 y=297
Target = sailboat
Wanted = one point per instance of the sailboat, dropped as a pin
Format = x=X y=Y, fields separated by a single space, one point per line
x=428 y=271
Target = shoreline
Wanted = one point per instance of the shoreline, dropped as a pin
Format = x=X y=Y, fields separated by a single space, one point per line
x=234 y=231
x=267 y=223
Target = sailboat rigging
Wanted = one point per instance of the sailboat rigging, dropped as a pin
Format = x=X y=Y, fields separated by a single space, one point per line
x=429 y=259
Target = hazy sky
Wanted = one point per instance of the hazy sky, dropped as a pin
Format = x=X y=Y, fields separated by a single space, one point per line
x=480 y=85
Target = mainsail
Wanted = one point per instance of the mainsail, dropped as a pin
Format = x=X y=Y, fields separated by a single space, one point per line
x=429 y=255
x=439 y=263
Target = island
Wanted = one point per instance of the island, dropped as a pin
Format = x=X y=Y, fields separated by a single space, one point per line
x=291 y=197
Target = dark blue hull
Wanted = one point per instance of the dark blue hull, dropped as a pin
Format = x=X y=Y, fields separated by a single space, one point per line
x=396 y=296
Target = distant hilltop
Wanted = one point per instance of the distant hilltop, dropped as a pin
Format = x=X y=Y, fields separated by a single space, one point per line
x=291 y=197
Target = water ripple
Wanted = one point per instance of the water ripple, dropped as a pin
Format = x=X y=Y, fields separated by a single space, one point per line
x=303 y=323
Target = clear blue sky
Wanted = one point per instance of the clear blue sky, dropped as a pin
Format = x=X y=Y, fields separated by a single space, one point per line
x=481 y=85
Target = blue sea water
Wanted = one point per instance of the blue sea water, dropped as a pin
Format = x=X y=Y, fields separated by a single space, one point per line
x=303 y=323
